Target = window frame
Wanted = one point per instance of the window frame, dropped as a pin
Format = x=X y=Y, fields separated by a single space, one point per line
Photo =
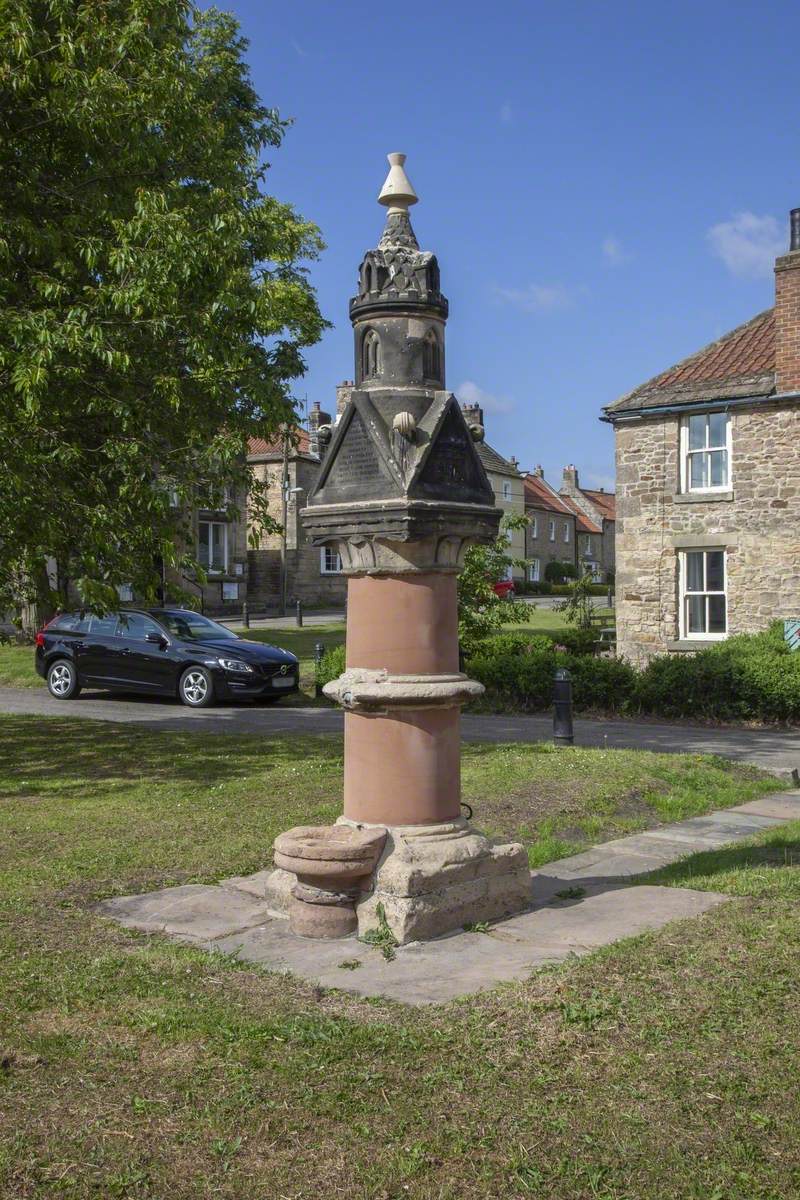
x=551 y=531
x=684 y=593
x=506 y=490
x=534 y=571
x=686 y=454
x=534 y=527
x=566 y=533
x=212 y=570
x=324 y=569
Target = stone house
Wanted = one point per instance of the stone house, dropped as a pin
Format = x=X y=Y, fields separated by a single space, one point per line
x=550 y=535
x=708 y=471
x=596 y=513
x=220 y=539
x=313 y=575
x=507 y=484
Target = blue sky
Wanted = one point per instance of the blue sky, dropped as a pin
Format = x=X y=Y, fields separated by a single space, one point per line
x=605 y=185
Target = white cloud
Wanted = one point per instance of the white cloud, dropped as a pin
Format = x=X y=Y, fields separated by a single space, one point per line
x=469 y=393
x=613 y=252
x=747 y=244
x=506 y=114
x=539 y=297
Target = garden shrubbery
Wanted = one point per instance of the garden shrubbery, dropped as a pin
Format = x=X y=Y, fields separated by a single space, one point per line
x=331 y=665
x=748 y=677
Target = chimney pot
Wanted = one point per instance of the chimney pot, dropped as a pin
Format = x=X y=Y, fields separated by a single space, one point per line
x=794 y=229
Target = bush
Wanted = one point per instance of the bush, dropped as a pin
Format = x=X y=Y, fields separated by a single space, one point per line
x=331 y=666
x=557 y=572
x=607 y=684
x=577 y=641
x=748 y=677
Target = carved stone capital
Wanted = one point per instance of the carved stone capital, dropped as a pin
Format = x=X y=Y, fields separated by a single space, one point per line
x=364 y=555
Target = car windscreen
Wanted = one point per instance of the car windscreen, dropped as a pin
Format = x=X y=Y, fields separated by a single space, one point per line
x=191 y=627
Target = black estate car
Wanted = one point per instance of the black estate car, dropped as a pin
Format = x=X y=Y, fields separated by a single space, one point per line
x=164 y=652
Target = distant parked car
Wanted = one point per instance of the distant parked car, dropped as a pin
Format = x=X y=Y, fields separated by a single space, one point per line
x=504 y=588
x=163 y=652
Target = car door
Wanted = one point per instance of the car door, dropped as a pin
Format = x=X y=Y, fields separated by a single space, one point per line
x=147 y=666
x=96 y=654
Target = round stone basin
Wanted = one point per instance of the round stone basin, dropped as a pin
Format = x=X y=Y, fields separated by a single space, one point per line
x=329 y=861
x=329 y=854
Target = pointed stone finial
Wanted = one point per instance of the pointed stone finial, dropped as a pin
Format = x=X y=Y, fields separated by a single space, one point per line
x=397 y=193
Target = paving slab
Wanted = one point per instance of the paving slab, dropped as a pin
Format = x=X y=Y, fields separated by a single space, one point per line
x=597 y=906
x=465 y=963
x=193 y=911
x=783 y=806
x=715 y=830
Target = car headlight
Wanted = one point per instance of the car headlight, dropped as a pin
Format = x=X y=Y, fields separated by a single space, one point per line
x=235 y=664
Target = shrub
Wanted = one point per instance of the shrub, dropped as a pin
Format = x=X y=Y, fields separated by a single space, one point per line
x=577 y=641
x=608 y=684
x=748 y=677
x=557 y=572
x=331 y=666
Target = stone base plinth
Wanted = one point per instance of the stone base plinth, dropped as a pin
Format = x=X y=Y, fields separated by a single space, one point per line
x=434 y=879
x=431 y=880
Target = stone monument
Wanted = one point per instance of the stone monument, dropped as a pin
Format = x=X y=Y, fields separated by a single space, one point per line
x=402 y=495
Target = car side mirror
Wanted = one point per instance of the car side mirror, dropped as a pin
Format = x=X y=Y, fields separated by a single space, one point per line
x=155 y=639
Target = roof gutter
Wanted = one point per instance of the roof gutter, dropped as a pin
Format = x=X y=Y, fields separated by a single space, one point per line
x=695 y=406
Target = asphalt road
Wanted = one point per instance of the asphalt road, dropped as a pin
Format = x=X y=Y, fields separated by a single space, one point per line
x=775 y=750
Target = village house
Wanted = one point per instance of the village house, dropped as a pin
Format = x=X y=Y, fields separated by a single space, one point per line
x=708 y=482
x=595 y=510
x=551 y=531
x=508 y=487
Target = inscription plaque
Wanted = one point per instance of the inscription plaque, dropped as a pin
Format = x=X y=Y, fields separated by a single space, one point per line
x=357 y=471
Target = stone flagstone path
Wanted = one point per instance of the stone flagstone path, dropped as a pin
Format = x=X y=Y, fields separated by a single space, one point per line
x=233 y=919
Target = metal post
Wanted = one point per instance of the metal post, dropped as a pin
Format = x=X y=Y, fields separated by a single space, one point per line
x=563 y=734
x=299 y=614
x=319 y=654
x=284 y=519
x=610 y=596
x=245 y=615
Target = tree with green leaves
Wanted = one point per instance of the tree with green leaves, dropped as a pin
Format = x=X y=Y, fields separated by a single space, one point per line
x=481 y=612
x=579 y=605
x=154 y=302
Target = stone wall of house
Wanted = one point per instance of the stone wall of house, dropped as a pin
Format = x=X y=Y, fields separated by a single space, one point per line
x=757 y=522
x=305 y=579
x=514 y=504
x=537 y=540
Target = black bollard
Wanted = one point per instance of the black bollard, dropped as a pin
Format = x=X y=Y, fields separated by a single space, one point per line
x=563 y=734
x=319 y=654
x=299 y=614
x=245 y=615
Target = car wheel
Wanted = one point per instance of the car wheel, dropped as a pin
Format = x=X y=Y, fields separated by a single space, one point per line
x=196 y=688
x=62 y=680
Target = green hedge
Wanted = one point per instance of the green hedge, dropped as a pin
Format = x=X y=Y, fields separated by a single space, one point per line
x=748 y=677
x=331 y=665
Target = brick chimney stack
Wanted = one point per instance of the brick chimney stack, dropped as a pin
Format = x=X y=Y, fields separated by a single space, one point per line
x=344 y=391
x=473 y=414
x=317 y=417
x=787 y=312
x=538 y=471
x=569 y=478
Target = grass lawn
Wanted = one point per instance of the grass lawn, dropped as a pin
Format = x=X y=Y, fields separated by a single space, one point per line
x=135 y=1067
